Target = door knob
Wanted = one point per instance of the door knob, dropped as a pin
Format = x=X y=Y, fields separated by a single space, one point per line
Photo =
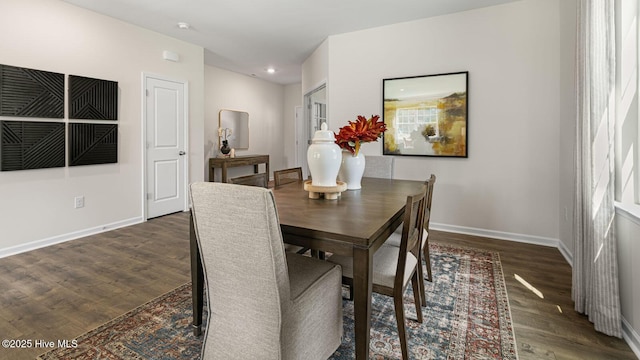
x=181 y=153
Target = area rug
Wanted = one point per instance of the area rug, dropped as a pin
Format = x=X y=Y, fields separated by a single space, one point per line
x=467 y=317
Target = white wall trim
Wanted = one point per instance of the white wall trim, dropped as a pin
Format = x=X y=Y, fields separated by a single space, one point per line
x=631 y=337
x=629 y=212
x=566 y=253
x=33 y=245
x=529 y=239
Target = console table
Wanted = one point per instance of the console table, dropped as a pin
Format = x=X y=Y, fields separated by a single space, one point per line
x=225 y=163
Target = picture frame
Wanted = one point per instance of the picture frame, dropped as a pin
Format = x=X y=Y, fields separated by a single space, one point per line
x=426 y=115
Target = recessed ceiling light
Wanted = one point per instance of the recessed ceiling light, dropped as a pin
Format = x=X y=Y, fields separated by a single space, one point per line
x=271 y=70
x=184 y=26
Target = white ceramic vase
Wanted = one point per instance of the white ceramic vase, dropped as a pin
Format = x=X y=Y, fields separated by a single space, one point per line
x=324 y=158
x=352 y=169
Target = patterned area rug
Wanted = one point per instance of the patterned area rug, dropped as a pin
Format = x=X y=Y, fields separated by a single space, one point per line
x=467 y=317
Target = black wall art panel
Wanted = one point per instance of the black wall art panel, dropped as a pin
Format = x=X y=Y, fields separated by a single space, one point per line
x=31 y=93
x=31 y=145
x=93 y=144
x=92 y=99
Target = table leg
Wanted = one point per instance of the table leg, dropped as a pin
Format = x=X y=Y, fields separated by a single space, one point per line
x=197 y=279
x=224 y=173
x=362 y=288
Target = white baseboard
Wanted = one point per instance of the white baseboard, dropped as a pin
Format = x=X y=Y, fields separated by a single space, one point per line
x=67 y=237
x=565 y=252
x=631 y=337
x=529 y=239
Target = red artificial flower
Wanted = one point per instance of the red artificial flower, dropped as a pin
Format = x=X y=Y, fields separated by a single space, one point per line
x=350 y=137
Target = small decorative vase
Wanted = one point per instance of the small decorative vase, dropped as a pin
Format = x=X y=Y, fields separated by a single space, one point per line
x=352 y=169
x=225 y=149
x=323 y=158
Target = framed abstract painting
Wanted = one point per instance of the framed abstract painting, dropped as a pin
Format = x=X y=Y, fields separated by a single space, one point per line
x=426 y=115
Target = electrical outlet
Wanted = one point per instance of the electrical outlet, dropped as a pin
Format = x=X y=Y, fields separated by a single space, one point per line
x=79 y=202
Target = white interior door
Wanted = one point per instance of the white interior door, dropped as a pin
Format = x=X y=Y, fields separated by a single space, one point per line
x=166 y=170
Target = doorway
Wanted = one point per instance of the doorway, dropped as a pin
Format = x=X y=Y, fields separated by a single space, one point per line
x=315 y=113
x=165 y=144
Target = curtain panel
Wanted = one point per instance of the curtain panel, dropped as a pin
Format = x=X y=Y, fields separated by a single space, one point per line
x=595 y=269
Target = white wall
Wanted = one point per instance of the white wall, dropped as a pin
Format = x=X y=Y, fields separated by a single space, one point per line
x=508 y=186
x=36 y=206
x=264 y=101
x=316 y=68
x=627 y=230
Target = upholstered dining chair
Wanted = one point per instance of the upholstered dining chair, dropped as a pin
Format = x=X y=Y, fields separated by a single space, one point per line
x=394 y=238
x=394 y=267
x=285 y=176
x=378 y=167
x=264 y=303
x=260 y=180
x=251 y=180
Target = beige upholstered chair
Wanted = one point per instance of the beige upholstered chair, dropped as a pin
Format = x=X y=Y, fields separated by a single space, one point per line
x=394 y=239
x=378 y=167
x=394 y=267
x=264 y=303
x=286 y=176
x=260 y=180
x=251 y=180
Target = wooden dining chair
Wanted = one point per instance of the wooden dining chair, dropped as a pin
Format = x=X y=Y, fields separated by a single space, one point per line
x=394 y=267
x=394 y=238
x=285 y=176
x=378 y=167
x=263 y=303
x=259 y=180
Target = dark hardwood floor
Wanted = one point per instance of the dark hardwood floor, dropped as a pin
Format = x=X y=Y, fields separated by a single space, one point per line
x=62 y=291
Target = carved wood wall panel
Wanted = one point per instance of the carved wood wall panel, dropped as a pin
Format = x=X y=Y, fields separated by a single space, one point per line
x=93 y=144
x=31 y=145
x=31 y=93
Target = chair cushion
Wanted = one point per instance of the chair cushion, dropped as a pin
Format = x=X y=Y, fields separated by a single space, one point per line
x=304 y=271
x=385 y=264
x=292 y=248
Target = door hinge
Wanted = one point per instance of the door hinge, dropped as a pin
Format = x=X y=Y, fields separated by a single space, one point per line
x=149 y=196
x=146 y=91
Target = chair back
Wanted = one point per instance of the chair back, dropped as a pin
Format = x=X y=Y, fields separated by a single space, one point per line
x=430 y=184
x=379 y=167
x=411 y=233
x=259 y=180
x=244 y=267
x=285 y=176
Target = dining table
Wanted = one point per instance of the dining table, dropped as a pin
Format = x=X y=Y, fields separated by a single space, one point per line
x=356 y=224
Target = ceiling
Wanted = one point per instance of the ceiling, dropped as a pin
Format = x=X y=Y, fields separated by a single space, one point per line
x=249 y=36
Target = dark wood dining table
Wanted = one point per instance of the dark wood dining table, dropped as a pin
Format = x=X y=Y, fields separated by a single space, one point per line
x=356 y=225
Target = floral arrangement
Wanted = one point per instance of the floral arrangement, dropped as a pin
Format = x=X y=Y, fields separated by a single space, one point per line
x=363 y=130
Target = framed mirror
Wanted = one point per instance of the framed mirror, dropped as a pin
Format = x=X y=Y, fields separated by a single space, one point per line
x=233 y=126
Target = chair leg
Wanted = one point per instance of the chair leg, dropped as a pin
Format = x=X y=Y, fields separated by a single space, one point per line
x=418 y=299
x=402 y=331
x=421 y=286
x=427 y=259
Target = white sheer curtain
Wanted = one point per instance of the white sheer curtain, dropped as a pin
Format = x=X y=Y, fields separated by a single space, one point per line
x=595 y=265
